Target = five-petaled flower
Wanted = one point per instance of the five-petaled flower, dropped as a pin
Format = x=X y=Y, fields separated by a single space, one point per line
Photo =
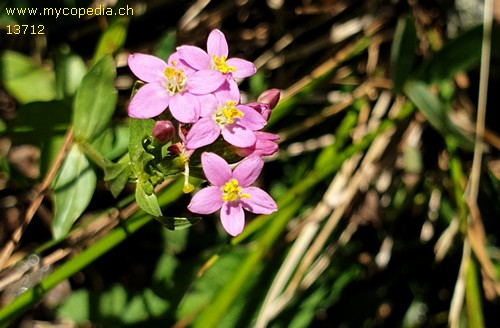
x=168 y=84
x=236 y=123
x=231 y=191
x=215 y=60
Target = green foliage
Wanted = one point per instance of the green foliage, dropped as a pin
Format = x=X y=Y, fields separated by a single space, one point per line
x=403 y=52
x=362 y=187
x=24 y=80
x=95 y=100
x=73 y=189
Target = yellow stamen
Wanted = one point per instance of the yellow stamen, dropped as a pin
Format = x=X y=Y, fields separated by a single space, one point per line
x=228 y=113
x=175 y=79
x=221 y=65
x=232 y=191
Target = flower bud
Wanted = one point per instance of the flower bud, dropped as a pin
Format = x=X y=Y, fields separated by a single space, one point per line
x=163 y=131
x=264 y=146
x=270 y=97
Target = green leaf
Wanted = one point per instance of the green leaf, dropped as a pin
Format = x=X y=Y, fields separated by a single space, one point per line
x=95 y=100
x=117 y=175
x=166 y=46
x=70 y=70
x=113 y=38
x=139 y=130
x=24 y=80
x=147 y=201
x=73 y=189
x=38 y=121
x=175 y=223
x=460 y=54
x=435 y=112
x=403 y=51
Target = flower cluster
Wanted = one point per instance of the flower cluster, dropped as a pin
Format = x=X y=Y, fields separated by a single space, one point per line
x=197 y=91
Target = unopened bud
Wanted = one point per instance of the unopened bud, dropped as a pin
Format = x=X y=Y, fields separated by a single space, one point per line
x=270 y=97
x=163 y=131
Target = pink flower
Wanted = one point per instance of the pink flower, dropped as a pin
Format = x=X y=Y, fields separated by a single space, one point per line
x=265 y=145
x=234 y=121
x=215 y=59
x=231 y=192
x=168 y=84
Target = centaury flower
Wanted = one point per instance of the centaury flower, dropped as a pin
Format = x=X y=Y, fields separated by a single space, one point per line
x=231 y=192
x=168 y=84
x=216 y=60
x=236 y=123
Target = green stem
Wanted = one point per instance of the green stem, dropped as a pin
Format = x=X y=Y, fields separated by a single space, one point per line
x=473 y=296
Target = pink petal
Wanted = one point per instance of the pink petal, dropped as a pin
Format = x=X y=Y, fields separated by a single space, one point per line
x=185 y=107
x=202 y=133
x=206 y=201
x=206 y=81
x=208 y=104
x=229 y=90
x=195 y=57
x=244 y=68
x=238 y=135
x=259 y=202
x=150 y=100
x=251 y=118
x=147 y=68
x=248 y=170
x=232 y=218
x=217 y=44
x=216 y=169
x=176 y=61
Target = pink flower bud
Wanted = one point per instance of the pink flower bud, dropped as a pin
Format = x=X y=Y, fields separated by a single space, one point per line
x=270 y=97
x=163 y=131
x=264 y=146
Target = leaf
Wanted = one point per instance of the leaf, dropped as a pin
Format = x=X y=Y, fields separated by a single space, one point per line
x=139 y=130
x=73 y=189
x=166 y=46
x=70 y=70
x=147 y=201
x=459 y=54
x=113 y=38
x=403 y=51
x=117 y=175
x=435 y=112
x=24 y=80
x=40 y=120
x=176 y=223
x=95 y=100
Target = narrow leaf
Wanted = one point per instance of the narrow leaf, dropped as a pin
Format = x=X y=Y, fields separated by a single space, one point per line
x=73 y=189
x=175 y=223
x=459 y=54
x=403 y=51
x=95 y=100
x=113 y=38
x=435 y=112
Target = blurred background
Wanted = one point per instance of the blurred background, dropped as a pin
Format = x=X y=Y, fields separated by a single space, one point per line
x=387 y=215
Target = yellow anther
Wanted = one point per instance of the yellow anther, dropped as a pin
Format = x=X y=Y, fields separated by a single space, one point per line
x=230 y=112
x=232 y=191
x=175 y=79
x=221 y=65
